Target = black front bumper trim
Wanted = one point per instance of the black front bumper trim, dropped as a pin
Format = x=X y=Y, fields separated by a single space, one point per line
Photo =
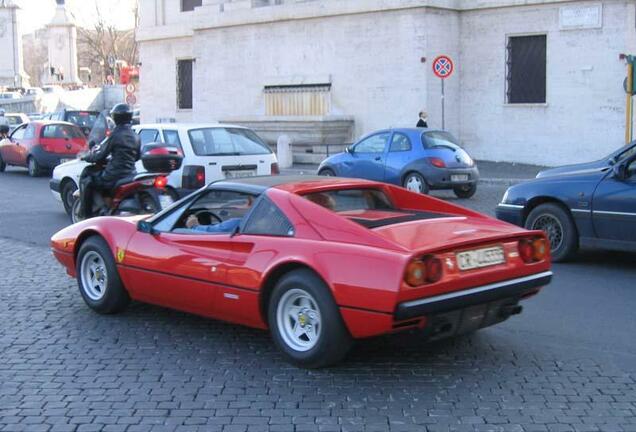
x=483 y=294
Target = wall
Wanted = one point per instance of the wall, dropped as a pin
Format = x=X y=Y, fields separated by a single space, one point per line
x=158 y=93
x=583 y=118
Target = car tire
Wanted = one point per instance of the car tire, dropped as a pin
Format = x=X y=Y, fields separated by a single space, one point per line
x=34 y=167
x=465 y=191
x=305 y=321
x=3 y=165
x=66 y=193
x=328 y=172
x=558 y=225
x=414 y=182
x=75 y=210
x=98 y=278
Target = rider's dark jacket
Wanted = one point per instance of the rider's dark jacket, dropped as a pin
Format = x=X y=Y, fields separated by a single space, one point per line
x=123 y=145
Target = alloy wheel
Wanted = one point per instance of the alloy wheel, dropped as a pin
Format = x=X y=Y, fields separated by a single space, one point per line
x=299 y=320
x=94 y=275
x=552 y=227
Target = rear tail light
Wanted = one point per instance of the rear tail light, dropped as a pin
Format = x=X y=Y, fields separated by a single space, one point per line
x=160 y=182
x=193 y=177
x=275 y=169
x=533 y=250
x=108 y=132
x=426 y=270
x=437 y=162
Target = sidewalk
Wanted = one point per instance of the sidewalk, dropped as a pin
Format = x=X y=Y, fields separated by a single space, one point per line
x=490 y=172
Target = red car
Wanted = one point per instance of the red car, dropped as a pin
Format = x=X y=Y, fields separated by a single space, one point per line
x=320 y=261
x=41 y=145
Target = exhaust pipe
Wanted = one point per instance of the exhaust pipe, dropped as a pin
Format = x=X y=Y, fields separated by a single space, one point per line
x=510 y=310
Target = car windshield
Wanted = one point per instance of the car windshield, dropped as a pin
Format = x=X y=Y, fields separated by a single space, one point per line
x=218 y=141
x=81 y=118
x=436 y=139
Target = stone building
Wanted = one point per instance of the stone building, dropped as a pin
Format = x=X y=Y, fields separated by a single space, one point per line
x=62 y=47
x=535 y=81
x=11 y=64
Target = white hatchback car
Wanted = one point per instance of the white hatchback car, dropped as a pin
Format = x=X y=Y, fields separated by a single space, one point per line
x=211 y=151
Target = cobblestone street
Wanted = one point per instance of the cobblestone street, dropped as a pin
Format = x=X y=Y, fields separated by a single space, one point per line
x=65 y=368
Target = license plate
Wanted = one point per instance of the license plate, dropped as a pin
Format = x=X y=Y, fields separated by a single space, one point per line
x=240 y=173
x=459 y=177
x=480 y=258
x=165 y=201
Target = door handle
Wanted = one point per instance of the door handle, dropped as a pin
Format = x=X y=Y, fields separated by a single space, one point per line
x=378 y=158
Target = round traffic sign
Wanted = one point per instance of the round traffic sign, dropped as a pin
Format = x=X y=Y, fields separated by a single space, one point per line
x=130 y=88
x=443 y=66
x=131 y=99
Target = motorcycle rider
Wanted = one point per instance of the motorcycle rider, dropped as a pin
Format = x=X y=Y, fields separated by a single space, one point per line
x=123 y=147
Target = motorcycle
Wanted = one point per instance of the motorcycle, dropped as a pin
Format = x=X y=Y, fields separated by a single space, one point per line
x=143 y=193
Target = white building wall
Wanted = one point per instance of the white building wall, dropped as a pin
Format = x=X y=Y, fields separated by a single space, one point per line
x=371 y=51
x=372 y=60
x=583 y=118
x=158 y=75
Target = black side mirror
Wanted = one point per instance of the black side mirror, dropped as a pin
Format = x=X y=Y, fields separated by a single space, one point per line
x=145 y=227
x=620 y=171
x=349 y=149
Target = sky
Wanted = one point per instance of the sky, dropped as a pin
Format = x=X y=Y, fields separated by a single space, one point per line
x=36 y=14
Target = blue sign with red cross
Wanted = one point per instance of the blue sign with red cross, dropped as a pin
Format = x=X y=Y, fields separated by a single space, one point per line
x=443 y=66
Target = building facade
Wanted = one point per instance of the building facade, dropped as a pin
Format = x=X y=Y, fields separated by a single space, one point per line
x=11 y=63
x=62 y=48
x=534 y=81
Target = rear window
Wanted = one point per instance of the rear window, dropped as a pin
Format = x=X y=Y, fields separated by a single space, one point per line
x=81 y=118
x=436 y=139
x=226 y=142
x=13 y=120
x=61 y=131
x=347 y=200
x=370 y=208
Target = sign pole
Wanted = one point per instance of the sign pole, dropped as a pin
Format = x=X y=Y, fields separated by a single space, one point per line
x=628 y=109
x=443 y=104
x=443 y=68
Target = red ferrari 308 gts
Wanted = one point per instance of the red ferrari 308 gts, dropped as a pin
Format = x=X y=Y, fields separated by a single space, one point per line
x=319 y=261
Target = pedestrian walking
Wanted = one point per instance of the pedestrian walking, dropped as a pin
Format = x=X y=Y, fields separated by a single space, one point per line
x=422 y=121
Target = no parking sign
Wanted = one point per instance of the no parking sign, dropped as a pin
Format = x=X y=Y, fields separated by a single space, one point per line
x=443 y=67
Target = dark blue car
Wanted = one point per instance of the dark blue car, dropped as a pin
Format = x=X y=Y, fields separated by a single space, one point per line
x=417 y=158
x=592 y=204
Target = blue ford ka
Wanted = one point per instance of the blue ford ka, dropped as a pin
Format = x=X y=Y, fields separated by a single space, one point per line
x=417 y=158
x=591 y=204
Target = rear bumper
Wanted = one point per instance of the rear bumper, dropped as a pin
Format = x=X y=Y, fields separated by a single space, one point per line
x=513 y=289
x=50 y=160
x=440 y=178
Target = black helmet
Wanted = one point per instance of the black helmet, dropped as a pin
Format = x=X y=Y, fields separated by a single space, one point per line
x=121 y=114
x=4 y=129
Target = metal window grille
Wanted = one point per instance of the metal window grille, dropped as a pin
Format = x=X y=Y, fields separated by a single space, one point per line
x=184 y=84
x=189 y=5
x=298 y=100
x=526 y=69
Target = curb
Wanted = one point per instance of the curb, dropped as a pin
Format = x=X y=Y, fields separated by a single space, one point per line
x=489 y=181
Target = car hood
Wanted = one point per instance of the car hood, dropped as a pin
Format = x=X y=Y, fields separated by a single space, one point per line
x=440 y=233
x=575 y=169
